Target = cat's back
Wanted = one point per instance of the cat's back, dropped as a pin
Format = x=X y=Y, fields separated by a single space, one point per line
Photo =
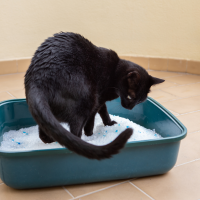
x=62 y=55
x=64 y=47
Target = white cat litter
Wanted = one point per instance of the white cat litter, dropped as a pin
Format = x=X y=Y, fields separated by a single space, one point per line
x=28 y=138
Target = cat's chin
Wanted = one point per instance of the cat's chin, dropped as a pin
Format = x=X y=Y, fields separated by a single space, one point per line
x=130 y=108
x=127 y=107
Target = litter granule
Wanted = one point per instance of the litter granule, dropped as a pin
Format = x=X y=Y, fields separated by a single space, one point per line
x=28 y=138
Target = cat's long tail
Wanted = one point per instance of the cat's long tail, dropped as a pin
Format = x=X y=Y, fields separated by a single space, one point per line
x=41 y=112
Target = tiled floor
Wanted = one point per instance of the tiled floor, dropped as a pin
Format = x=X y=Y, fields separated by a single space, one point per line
x=180 y=93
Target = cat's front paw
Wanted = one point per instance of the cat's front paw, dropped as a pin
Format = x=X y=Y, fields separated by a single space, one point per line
x=110 y=123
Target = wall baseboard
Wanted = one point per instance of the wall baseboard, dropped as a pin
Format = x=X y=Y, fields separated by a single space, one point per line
x=166 y=64
x=14 y=66
x=152 y=63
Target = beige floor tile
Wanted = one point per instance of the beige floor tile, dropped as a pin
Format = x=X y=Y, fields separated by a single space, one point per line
x=4 y=96
x=162 y=74
x=11 y=82
x=56 y=193
x=158 y=63
x=183 y=105
x=184 y=90
x=184 y=79
x=177 y=65
x=189 y=148
x=191 y=121
x=124 y=191
x=22 y=65
x=165 y=84
x=181 y=183
x=8 y=67
x=77 y=190
x=161 y=96
x=18 y=93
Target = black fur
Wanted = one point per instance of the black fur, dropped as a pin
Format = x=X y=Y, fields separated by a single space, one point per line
x=69 y=80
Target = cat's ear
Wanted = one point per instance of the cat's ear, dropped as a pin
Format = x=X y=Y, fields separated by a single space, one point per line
x=155 y=80
x=134 y=75
x=133 y=78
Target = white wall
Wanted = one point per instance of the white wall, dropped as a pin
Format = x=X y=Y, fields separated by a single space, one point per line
x=161 y=28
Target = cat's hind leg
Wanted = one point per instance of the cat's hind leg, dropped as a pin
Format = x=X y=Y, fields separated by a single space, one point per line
x=105 y=116
x=77 y=124
x=89 y=125
x=45 y=138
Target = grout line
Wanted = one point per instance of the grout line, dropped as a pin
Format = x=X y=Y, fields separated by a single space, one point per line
x=175 y=113
x=12 y=74
x=179 y=98
x=171 y=76
x=100 y=190
x=184 y=113
x=170 y=100
x=182 y=73
x=11 y=59
x=178 y=76
x=178 y=85
x=11 y=89
x=68 y=192
x=187 y=162
x=17 y=66
x=181 y=85
x=194 y=132
x=167 y=64
x=168 y=93
x=1 y=183
x=190 y=112
x=179 y=73
x=141 y=190
x=11 y=94
x=157 y=57
x=186 y=66
x=176 y=98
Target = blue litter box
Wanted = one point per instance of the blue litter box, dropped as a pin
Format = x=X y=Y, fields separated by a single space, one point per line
x=57 y=167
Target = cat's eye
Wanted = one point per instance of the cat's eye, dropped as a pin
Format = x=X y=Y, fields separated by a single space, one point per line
x=128 y=97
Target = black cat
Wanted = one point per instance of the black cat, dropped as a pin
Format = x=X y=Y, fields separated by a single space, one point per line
x=69 y=80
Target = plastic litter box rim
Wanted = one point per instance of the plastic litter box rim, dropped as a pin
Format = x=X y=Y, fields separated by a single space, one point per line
x=129 y=144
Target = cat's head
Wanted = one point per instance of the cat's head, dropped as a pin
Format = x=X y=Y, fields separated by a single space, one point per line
x=135 y=85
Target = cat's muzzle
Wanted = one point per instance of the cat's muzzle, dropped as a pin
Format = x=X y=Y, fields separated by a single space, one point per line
x=128 y=105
